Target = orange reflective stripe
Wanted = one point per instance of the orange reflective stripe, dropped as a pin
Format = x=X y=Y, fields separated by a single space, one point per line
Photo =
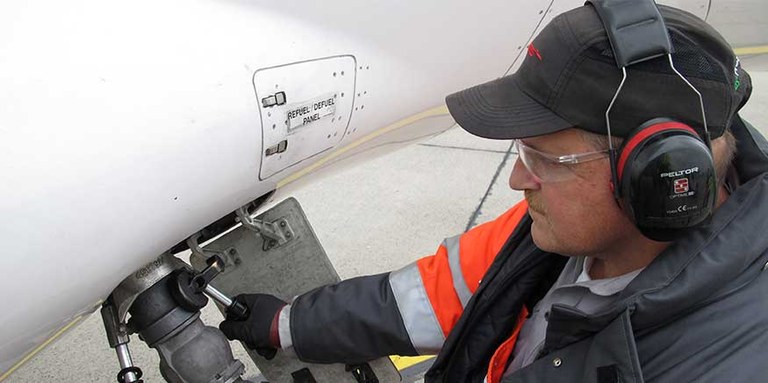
x=498 y=362
x=438 y=283
x=480 y=245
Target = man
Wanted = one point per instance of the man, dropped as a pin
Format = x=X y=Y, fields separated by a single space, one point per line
x=578 y=283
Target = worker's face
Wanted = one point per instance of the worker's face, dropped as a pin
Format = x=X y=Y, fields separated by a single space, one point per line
x=573 y=209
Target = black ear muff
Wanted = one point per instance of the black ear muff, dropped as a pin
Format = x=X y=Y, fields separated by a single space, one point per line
x=666 y=178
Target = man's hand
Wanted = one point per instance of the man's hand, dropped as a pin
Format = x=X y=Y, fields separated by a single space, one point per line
x=259 y=329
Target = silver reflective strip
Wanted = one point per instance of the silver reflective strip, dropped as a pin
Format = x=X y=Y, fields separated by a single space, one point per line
x=454 y=261
x=416 y=310
x=284 y=327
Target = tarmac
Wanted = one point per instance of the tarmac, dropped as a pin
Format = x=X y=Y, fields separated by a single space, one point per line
x=376 y=217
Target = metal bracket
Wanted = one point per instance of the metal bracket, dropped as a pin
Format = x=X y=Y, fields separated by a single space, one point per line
x=194 y=247
x=230 y=256
x=118 y=338
x=274 y=234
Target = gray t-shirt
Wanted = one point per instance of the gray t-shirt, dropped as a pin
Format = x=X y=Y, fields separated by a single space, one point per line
x=574 y=288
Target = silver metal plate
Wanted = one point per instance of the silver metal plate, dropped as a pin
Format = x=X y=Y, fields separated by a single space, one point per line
x=284 y=271
x=310 y=111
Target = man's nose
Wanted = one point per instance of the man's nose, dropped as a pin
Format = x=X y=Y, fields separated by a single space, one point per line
x=521 y=178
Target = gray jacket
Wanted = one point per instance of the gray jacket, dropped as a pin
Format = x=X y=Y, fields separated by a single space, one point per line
x=698 y=313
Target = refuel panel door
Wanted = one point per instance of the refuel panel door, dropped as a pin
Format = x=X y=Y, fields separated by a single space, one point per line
x=305 y=109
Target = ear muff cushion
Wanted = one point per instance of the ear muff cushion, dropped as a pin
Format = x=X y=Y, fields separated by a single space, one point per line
x=644 y=132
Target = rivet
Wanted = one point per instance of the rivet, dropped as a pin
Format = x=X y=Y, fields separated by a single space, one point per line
x=282 y=223
x=557 y=362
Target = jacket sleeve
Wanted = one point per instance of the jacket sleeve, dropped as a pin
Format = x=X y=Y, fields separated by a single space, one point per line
x=406 y=312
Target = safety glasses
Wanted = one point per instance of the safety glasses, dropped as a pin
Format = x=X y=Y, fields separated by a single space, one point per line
x=552 y=168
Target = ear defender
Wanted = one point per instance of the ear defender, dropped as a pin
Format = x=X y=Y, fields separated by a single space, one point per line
x=666 y=179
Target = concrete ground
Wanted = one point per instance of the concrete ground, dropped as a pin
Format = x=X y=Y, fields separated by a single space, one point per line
x=372 y=218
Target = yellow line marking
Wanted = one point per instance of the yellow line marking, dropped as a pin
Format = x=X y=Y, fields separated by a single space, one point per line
x=437 y=111
x=755 y=50
x=403 y=362
x=42 y=346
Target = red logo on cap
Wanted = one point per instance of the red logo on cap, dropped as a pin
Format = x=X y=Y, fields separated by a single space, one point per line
x=532 y=51
x=681 y=185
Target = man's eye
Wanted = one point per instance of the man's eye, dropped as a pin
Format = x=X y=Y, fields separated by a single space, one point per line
x=549 y=164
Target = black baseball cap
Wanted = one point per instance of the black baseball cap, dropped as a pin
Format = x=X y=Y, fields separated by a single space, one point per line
x=569 y=76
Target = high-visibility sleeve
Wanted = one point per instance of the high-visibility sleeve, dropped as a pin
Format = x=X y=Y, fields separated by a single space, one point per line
x=432 y=292
x=353 y=321
x=409 y=311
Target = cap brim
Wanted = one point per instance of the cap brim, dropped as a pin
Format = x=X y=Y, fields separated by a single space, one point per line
x=499 y=109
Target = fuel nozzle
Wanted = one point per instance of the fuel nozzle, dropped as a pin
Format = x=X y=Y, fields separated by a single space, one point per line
x=190 y=290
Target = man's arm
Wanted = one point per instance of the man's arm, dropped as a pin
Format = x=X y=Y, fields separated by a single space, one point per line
x=406 y=312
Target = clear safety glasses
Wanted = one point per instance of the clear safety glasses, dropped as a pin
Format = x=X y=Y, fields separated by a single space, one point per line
x=552 y=168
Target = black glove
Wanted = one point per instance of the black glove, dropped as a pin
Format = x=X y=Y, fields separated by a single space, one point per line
x=255 y=329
